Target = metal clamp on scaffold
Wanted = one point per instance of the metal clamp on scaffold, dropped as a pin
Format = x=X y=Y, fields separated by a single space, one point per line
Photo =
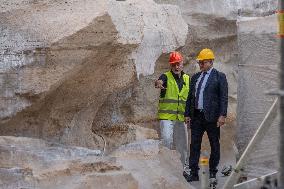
x=280 y=14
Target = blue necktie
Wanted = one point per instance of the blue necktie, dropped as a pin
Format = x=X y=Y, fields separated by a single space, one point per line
x=198 y=90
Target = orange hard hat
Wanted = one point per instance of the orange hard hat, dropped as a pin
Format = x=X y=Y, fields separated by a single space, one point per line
x=175 y=57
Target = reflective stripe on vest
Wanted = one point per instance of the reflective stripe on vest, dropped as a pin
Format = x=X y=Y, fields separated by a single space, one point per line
x=172 y=106
x=171 y=101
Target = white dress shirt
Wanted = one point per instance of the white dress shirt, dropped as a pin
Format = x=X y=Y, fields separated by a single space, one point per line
x=200 y=99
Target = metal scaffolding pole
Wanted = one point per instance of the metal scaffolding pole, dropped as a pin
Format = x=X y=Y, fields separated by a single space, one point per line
x=281 y=145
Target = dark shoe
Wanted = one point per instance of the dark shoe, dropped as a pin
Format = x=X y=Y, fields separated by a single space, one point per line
x=212 y=181
x=226 y=171
x=189 y=177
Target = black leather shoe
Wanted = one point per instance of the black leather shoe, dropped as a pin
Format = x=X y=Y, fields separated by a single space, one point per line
x=213 y=180
x=189 y=177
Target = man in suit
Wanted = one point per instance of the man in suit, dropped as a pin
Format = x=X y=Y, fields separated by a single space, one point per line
x=206 y=110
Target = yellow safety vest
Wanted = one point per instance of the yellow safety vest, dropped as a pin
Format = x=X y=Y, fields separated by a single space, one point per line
x=172 y=106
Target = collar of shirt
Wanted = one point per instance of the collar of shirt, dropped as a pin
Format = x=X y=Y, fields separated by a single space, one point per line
x=176 y=75
x=205 y=78
x=209 y=71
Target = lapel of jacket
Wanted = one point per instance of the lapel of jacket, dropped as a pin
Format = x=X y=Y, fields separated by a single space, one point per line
x=209 y=80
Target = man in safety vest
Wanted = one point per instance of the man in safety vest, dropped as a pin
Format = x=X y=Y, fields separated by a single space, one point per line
x=174 y=85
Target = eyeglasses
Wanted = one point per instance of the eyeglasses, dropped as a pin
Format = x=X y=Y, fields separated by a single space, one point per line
x=203 y=62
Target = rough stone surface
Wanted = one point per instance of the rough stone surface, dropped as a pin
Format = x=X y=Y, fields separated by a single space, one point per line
x=148 y=161
x=37 y=164
x=61 y=61
x=256 y=8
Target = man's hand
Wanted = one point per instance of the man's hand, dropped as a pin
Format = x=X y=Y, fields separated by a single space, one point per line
x=221 y=121
x=187 y=121
x=159 y=84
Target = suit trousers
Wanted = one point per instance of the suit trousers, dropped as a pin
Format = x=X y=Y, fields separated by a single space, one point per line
x=174 y=135
x=198 y=126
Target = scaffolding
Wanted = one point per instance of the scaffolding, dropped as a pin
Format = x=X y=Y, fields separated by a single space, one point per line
x=264 y=126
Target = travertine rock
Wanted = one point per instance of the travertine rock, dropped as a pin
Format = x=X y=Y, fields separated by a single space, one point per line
x=151 y=165
x=37 y=164
x=61 y=61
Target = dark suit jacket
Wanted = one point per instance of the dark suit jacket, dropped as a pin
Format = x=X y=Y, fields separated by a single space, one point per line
x=215 y=96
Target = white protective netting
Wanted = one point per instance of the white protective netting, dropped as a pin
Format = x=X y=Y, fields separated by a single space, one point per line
x=258 y=73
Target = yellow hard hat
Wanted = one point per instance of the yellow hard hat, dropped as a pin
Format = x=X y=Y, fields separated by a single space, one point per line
x=205 y=54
